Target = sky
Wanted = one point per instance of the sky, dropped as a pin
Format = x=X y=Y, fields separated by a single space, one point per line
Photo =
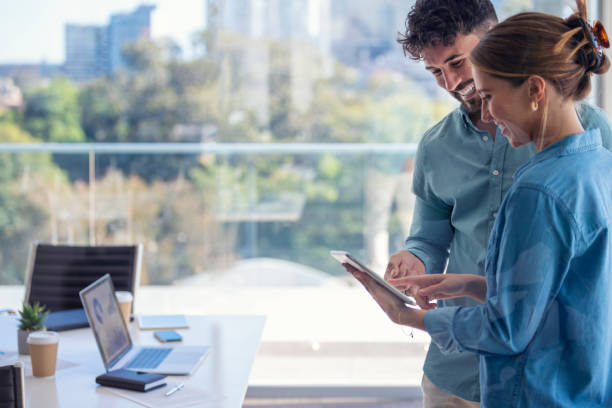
x=32 y=31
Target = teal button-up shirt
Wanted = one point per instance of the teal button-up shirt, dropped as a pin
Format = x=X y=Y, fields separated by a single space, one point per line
x=544 y=334
x=461 y=176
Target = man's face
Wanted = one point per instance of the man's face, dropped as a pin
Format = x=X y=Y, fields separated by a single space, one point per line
x=450 y=66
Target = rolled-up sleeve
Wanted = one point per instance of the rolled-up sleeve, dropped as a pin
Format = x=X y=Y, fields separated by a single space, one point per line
x=439 y=325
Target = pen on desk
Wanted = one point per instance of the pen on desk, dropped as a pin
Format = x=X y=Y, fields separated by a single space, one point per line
x=175 y=389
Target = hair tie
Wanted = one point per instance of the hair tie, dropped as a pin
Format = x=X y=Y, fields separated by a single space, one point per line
x=601 y=36
x=598 y=37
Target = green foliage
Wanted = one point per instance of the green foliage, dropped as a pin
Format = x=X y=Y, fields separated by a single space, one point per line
x=31 y=317
x=8 y=115
x=329 y=166
x=52 y=113
x=144 y=56
x=101 y=114
x=149 y=103
x=24 y=177
x=146 y=103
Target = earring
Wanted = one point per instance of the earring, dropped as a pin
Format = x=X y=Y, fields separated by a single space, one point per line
x=534 y=106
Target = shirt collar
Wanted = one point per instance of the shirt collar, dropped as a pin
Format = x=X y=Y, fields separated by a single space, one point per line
x=468 y=124
x=466 y=118
x=578 y=143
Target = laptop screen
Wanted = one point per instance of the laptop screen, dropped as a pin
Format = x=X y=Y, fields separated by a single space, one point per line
x=105 y=319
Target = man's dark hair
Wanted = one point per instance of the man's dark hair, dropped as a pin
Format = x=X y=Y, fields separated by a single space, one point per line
x=434 y=22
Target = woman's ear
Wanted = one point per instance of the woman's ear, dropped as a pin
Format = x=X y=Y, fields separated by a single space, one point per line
x=537 y=88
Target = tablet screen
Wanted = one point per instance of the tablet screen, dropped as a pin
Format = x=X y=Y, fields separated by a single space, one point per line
x=345 y=257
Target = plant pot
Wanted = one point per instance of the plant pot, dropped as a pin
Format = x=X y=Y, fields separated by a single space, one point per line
x=22 y=343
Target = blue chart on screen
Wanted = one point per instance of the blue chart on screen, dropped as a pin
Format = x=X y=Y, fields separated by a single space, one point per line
x=98 y=310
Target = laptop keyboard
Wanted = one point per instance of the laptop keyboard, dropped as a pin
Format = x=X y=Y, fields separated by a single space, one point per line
x=149 y=357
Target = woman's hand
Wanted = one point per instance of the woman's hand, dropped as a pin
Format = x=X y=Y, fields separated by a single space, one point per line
x=397 y=311
x=444 y=286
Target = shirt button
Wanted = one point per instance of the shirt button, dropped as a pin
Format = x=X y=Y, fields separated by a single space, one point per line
x=494 y=215
x=485 y=138
x=495 y=172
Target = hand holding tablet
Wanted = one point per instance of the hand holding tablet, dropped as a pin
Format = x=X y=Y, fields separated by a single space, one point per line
x=346 y=258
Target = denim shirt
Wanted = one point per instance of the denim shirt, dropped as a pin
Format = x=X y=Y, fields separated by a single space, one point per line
x=544 y=333
x=461 y=176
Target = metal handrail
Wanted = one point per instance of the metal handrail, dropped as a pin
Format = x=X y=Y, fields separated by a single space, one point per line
x=221 y=148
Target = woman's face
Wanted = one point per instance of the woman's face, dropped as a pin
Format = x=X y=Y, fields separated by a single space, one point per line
x=508 y=106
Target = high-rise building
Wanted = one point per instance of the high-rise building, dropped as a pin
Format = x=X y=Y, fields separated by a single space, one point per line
x=127 y=28
x=93 y=51
x=355 y=32
x=363 y=30
x=242 y=34
x=86 y=52
x=307 y=20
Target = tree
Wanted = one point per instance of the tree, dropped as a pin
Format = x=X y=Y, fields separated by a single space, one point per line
x=52 y=114
x=102 y=114
x=152 y=101
x=24 y=180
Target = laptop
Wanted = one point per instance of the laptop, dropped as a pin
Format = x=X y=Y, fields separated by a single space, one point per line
x=114 y=342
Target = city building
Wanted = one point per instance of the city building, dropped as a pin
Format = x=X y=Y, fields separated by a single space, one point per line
x=86 y=52
x=262 y=42
x=364 y=31
x=127 y=28
x=306 y=20
x=93 y=51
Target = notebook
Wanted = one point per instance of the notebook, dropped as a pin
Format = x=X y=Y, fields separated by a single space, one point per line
x=131 y=380
x=115 y=344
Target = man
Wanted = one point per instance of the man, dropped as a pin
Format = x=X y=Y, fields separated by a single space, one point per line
x=463 y=170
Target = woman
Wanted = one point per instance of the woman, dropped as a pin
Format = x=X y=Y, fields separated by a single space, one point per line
x=544 y=330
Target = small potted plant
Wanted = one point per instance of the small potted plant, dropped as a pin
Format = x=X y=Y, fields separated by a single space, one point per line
x=30 y=319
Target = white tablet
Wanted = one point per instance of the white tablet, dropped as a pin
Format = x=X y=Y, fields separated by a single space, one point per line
x=175 y=321
x=345 y=257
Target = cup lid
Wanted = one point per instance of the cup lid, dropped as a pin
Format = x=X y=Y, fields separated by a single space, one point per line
x=43 y=337
x=124 y=296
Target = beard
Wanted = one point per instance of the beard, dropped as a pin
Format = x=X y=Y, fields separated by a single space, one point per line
x=472 y=105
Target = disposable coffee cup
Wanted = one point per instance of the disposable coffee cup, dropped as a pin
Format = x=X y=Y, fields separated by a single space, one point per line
x=125 y=300
x=43 y=352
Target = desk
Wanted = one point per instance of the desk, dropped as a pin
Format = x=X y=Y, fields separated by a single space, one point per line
x=234 y=340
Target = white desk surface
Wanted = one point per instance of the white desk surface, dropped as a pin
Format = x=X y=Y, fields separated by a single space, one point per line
x=234 y=341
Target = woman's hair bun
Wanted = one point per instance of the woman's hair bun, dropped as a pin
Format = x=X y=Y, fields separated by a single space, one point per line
x=589 y=52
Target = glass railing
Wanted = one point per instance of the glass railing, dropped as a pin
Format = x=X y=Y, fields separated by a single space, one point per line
x=204 y=211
